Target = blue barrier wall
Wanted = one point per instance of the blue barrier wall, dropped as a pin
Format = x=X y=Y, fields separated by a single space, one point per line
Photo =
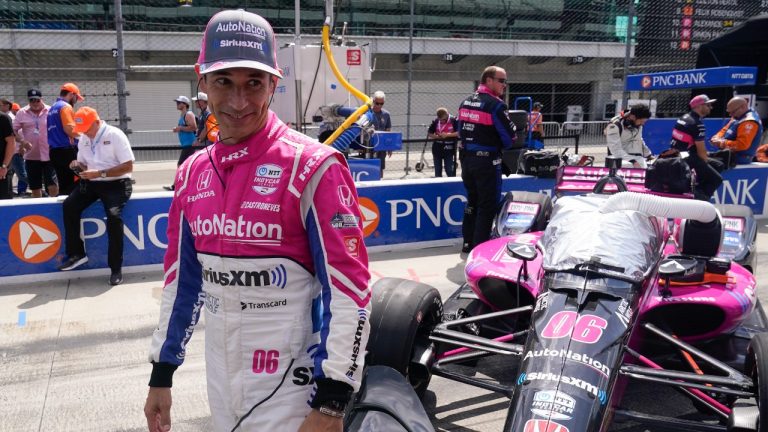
x=394 y=213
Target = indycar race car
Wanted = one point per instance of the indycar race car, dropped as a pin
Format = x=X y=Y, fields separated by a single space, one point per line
x=608 y=285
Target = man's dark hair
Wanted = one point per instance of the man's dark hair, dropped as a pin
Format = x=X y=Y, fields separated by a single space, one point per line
x=489 y=72
x=640 y=111
x=64 y=93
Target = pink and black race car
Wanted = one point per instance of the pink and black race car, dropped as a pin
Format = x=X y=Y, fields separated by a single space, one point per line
x=610 y=285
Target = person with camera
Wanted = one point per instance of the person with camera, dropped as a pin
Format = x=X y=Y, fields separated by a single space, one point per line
x=624 y=135
x=104 y=164
x=688 y=135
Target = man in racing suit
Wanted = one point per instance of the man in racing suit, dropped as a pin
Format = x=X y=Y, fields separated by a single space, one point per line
x=486 y=131
x=624 y=135
x=688 y=135
x=264 y=234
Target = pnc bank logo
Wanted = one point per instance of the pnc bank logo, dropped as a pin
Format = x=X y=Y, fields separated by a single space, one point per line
x=34 y=239
x=646 y=81
x=371 y=216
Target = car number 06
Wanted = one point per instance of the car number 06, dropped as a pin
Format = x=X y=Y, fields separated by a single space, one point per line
x=584 y=328
x=265 y=361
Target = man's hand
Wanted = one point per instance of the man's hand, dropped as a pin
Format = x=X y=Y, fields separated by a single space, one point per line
x=89 y=174
x=717 y=142
x=157 y=409
x=316 y=422
x=176 y=129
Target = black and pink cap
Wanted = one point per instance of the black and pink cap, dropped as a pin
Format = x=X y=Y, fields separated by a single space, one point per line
x=700 y=100
x=238 y=39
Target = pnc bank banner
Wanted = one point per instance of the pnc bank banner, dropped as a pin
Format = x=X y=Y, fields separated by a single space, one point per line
x=406 y=211
x=694 y=78
x=32 y=234
x=393 y=212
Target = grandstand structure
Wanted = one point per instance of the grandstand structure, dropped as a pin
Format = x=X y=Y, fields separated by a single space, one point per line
x=563 y=53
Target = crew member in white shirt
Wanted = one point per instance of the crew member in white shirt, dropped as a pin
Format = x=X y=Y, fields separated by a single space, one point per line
x=105 y=163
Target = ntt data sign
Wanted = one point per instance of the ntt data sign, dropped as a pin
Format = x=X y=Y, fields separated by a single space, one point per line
x=693 y=78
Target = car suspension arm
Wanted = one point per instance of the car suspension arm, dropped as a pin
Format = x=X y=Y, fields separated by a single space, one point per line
x=476 y=318
x=668 y=422
x=738 y=378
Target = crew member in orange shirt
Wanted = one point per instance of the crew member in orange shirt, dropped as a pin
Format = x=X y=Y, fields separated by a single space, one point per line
x=742 y=134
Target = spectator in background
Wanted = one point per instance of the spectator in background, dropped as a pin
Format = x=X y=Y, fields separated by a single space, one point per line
x=486 y=131
x=105 y=163
x=381 y=122
x=61 y=135
x=31 y=128
x=5 y=107
x=17 y=162
x=688 y=135
x=536 y=122
x=624 y=135
x=7 y=146
x=186 y=129
x=742 y=134
x=206 y=122
x=445 y=131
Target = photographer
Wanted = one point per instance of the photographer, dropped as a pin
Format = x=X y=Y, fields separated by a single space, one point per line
x=104 y=164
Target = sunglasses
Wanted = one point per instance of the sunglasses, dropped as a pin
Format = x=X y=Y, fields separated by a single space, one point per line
x=501 y=80
x=378 y=103
x=33 y=100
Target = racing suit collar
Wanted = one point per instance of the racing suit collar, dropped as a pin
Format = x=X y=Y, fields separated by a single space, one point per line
x=483 y=89
x=252 y=147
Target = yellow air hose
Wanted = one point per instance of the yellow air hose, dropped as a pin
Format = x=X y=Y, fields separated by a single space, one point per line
x=357 y=93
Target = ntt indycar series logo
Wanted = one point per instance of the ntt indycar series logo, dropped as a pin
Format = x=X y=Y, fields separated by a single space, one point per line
x=240 y=229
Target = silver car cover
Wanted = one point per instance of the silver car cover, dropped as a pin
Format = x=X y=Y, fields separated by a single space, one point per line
x=624 y=244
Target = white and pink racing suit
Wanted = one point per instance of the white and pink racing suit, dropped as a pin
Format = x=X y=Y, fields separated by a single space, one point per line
x=265 y=235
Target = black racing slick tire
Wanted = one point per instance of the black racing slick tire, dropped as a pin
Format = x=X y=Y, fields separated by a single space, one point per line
x=756 y=366
x=403 y=314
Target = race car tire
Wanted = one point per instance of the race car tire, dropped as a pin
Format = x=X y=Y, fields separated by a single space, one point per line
x=403 y=313
x=756 y=366
x=542 y=218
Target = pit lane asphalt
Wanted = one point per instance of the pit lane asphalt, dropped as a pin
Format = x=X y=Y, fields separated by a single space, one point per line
x=73 y=353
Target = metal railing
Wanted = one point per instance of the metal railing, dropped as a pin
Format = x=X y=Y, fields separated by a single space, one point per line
x=163 y=145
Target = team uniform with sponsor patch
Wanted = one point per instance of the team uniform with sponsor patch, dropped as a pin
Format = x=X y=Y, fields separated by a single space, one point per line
x=486 y=131
x=258 y=237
